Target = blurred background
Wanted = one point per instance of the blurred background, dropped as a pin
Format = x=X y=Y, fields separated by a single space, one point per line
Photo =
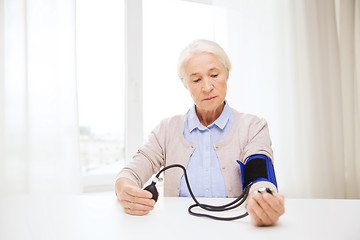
x=83 y=83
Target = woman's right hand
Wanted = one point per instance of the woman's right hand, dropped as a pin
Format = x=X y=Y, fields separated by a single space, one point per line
x=134 y=200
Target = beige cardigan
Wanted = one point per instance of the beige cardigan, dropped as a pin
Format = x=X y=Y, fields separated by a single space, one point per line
x=166 y=145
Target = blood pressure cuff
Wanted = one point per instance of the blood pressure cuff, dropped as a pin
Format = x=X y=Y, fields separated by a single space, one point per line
x=257 y=168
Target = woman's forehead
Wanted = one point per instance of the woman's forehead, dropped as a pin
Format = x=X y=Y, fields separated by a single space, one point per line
x=203 y=62
x=211 y=69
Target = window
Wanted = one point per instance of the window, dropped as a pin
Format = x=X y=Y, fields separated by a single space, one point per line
x=167 y=26
x=100 y=77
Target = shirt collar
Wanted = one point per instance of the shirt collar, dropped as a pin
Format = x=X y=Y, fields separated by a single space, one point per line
x=220 y=122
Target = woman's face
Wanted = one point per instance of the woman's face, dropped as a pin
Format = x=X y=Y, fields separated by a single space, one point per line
x=206 y=80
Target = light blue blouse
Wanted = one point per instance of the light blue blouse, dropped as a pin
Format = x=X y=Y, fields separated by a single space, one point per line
x=203 y=170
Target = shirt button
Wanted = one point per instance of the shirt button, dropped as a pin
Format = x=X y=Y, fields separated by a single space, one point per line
x=207 y=190
x=207 y=148
x=206 y=169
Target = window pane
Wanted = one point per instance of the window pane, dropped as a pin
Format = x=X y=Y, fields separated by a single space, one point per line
x=100 y=76
x=168 y=26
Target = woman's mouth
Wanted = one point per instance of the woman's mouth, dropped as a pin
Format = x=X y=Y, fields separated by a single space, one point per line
x=210 y=98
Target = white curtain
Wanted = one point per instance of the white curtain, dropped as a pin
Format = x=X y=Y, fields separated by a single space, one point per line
x=38 y=106
x=297 y=64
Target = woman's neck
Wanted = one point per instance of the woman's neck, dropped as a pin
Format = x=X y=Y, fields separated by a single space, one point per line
x=208 y=117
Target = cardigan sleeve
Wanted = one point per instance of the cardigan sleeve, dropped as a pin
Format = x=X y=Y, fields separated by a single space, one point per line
x=258 y=140
x=148 y=159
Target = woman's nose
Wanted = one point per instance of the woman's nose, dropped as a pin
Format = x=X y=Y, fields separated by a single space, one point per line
x=207 y=85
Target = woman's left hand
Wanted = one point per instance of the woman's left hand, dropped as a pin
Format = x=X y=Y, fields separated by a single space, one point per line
x=265 y=209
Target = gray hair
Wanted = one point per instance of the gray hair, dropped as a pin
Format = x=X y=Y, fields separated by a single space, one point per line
x=201 y=46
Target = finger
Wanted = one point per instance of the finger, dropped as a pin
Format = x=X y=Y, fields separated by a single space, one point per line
x=136 y=206
x=271 y=207
x=138 y=192
x=254 y=218
x=262 y=209
x=276 y=202
x=135 y=200
x=135 y=212
x=269 y=203
x=137 y=195
x=280 y=199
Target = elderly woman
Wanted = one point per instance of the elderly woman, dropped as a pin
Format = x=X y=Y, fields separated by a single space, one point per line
x=207 y=140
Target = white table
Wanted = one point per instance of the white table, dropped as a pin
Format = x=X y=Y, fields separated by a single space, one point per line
x=101 y=217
